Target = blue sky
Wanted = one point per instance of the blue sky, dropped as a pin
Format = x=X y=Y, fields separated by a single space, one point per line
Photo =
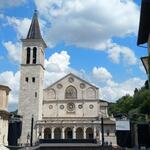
x=94 y=39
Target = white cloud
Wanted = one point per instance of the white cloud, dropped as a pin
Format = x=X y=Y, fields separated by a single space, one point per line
x=90 y=23
x=119 y=53
x=14 y=51
x=58 y=62
x=11 y=79
x=56 y=66
x=10 y=3
x=51 y=77
x=75 y=22
x=101 y=73
x=113 y=90
x=21 y=26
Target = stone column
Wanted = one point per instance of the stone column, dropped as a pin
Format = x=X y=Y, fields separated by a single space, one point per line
x=74 y=133
x=63 y=133
x=99 y=138
x=37 y=133
x=84 y=132
x=31 y=56
x=52 y=133
x=42 y=133
x=94 y=134
x=100 y=135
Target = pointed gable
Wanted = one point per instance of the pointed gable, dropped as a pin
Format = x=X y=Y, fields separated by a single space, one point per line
x=71 y=75
x=72 y=87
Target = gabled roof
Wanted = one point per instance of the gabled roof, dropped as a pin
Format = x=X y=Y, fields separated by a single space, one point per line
x=71 y=74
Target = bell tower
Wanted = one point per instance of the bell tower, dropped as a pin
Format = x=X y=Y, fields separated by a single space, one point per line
x=31 y=78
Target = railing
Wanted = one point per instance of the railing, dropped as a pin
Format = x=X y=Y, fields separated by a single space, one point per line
x=67 y=141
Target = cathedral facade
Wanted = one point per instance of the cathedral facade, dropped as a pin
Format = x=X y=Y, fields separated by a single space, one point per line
x=68 y=109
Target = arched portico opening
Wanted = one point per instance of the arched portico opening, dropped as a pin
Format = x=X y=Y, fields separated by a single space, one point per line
x=47 y=133
x=89 y=133
x=79 y=133
x=68 y=133
x=57 y=133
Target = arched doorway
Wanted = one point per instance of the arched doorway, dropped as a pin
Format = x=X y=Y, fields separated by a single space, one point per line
x=79 y=133
x=89 y=133
x=47 y=133
x=57 y=133
x=68 y=133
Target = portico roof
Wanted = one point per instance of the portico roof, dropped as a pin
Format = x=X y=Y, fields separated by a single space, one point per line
x=144 y=26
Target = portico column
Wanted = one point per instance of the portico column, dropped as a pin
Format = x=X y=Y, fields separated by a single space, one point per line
x=42 y=133
x=74 y=133
x=94 y=132
x=31 y=55
x=52 y=133
x=84 y=132
x=100 y=135
x=37 y=132
x=63 y=133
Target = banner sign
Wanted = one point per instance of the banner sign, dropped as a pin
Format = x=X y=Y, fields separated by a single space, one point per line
x=123 y=125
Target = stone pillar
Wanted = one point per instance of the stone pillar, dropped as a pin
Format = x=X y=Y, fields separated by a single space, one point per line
x=99 y=138
x=31 y=56
x=84 y=133
x=63 y=133
x=100 y=135
x=94 y=134
x=42 y=133
x=52 y=133
x=74 y=133
x=37 y=133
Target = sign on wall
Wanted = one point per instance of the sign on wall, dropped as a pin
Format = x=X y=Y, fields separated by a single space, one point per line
x=123 y=125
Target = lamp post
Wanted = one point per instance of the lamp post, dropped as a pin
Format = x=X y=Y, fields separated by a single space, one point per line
x=102 y=129
x=31 y=139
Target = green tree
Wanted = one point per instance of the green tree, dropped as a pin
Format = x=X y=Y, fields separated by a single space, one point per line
x=123 y=105
x=137 y=108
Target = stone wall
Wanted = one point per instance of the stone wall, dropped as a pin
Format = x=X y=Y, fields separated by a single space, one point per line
x=4 y=92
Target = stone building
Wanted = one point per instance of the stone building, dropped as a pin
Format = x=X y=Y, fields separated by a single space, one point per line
x=68 y=109
x=72 y=110
x=4 y=115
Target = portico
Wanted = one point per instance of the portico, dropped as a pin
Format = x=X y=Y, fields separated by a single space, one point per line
x=68 y=129
x=69 y=133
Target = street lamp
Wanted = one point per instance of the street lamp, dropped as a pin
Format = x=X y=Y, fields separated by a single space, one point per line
x=102 y=129
x=31 y=139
